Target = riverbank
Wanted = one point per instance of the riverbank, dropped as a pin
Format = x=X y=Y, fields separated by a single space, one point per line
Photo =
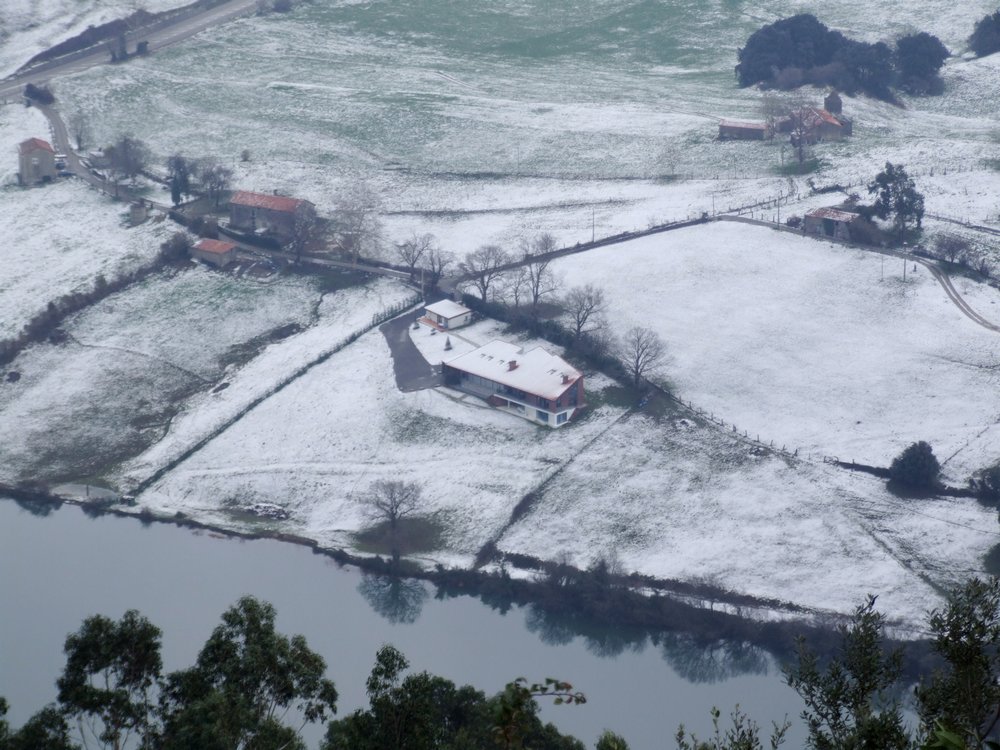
x=635 y=607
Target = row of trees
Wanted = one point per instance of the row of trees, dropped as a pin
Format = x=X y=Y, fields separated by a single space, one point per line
x=213 y=178
x=800 y=49
x=249 y=681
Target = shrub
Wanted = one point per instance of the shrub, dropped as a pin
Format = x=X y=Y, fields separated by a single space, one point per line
x=916 y=467
x=985 y=39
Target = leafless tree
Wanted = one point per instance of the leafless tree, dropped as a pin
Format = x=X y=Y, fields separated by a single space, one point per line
x=951 y=247
x=585 y=306
x=215 y=178
x=515 y=286
x=483 y=265
x=413 y=249
x=642 y=352
x=389 y=502
x=541 y=280
x=127 y=158
x=359 y=228
x=308 y=233
x=436 y=264
x=80 y=130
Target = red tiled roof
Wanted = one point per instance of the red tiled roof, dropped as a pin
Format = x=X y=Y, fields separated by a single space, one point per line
x=34 y=144
x=270 y=202
x=837 y=214
x=214 y=246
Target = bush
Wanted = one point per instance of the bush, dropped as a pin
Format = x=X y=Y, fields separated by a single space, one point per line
x=40 y=94
x=985 y=39
x=916 y=467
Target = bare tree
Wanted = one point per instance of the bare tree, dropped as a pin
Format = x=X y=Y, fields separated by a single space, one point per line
x=359 y=228
x=951 y=247
x=412 y=250
x=215 y=178
x=515 y=286
x=541 y=280
x=81 y=131
x=127 y=158
x=483 y=265
x=585 y=306
x=437 y=262
x=308 y=232
x=642 y=352
x=389 y=502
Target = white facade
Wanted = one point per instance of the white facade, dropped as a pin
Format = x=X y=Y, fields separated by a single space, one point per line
x=448 y=315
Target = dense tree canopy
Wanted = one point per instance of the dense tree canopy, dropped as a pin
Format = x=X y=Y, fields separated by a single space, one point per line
x=801 y=49
x=897 y=198
x=985 y=39
x=916 y=466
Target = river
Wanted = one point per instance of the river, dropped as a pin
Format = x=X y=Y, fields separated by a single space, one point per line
x=57 y=569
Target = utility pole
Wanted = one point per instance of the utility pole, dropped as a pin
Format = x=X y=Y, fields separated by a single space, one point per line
x=593 y=223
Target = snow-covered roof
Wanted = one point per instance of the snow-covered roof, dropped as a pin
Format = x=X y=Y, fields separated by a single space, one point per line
x=837 y=214
x=536 y=371
x=34 y=144
x=214 y=246
x=743 y=125
x=271 y=202
x=447 y=309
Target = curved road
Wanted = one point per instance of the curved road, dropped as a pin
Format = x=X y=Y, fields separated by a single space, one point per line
x=159 y=36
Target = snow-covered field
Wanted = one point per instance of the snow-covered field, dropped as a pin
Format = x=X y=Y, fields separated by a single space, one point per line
x=112 y=389
x=676 y=500
x=60 y=237
x=803 y=342
x=485 y=123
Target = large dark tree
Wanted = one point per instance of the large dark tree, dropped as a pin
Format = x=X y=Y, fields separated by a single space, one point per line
x=246 y=677
x=985 y=39
x=848 y=701
x=919 y=57
x=916 y=466
x=896 y=196
x=964 y=696
x=797 y=42
x=112 y=671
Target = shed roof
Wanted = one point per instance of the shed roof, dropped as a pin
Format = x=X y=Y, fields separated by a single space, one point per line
x=742 y=125
x=837 y=214
x=34 y=144
x=447 y=309
x=536 y=372
x=279 y=203
x=214 y=246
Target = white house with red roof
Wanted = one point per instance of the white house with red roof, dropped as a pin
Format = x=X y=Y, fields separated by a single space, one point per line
x=274 y=214
x=535 y=385
x=216 y=252
x=36 y=161
x=446 y=315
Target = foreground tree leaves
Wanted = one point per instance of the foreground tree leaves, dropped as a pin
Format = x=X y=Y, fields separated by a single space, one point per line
x=112 y=670
x=247 y=677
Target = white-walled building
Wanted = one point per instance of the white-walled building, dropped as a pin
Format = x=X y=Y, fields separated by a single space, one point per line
x=535 y=385
x=447 y=315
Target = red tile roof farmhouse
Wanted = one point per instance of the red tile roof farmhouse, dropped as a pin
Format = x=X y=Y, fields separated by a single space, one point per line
x=270 y=202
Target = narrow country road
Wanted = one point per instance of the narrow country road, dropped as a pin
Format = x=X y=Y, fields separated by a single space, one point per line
x=161 y=35
x=413 y=372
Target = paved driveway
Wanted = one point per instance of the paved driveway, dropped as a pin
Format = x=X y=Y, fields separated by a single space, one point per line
x=413 y=373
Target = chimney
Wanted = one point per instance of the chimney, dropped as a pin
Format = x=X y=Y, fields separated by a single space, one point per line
x=512 y=365
x=565 y=378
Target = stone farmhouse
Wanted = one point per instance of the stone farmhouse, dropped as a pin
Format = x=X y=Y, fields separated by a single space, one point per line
x=535 y=385
x=446 y=315
x=268 y=214
x=737 y=130
x=830 y=222
x=36 y=161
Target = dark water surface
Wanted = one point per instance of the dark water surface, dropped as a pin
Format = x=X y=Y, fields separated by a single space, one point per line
x=57 y=570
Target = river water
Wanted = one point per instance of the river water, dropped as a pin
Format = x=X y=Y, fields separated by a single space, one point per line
x=58 y=569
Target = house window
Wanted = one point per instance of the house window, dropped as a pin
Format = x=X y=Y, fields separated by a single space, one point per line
x=543 y=416
x=544 y=403
x=562 y=417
